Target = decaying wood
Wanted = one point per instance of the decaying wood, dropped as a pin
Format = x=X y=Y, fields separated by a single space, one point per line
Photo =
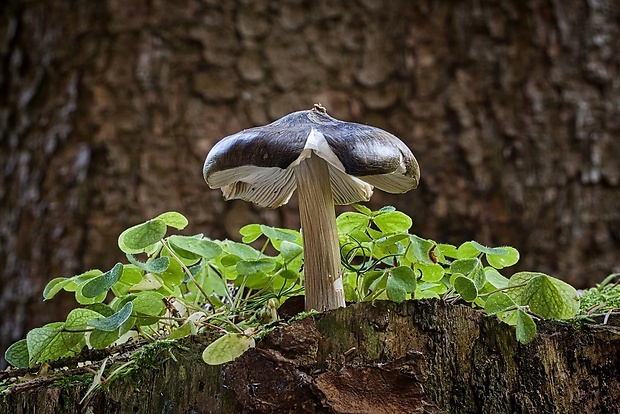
x=419 y=356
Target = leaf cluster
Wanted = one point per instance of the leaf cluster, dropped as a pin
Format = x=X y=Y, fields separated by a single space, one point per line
x=176 y=285
x=171 y=287
x=384 y=261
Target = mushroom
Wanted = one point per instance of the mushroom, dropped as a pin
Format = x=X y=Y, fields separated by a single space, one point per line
x=329 y=162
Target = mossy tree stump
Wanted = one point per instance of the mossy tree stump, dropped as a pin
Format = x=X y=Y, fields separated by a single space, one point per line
x=418 y=356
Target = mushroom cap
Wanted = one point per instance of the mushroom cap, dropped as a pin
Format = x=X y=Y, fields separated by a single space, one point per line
x=257 y=164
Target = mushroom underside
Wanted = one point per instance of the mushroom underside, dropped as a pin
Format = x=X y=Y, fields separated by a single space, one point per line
x=273 y=186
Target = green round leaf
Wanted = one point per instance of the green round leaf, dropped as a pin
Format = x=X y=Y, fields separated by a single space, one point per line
x=158 y=265
x=465 y=266
x=244 y=251
x=526 y=327
x=551 y=298
x=131 y=274
x=83 y=300
x=213 y=282
x=350 y=294
x=350 y=221
x=290 y=251
x=499 y=261
x=472 y=268
x=250 y=232
x=258 y=280
x=420 y=250
x=496 y=279
x=47 y=343
x=149 y=303
x=137 y=238
x=100 y=284
x=405 y=276
x=78 y=319
x=227 y=348
x=395 y=290
x=290 y=274
x=173 y=219
x=498 y=302
x=99 y=339
x=467 y=251
x=187 y=329
x=390 y=245
x=393 y=222
x=278 y=234
x=430 y=272
x=360 y=236
x=201 y=247
x=466 y=288
x=230 y=260
x=113 y=322
x=173 y=276
x=250 y=267
x=448 y=250
x=517 y=284
x=479 y=277
x=52 y=342
x=17 y=354
x=374 y=280
x=54 y=286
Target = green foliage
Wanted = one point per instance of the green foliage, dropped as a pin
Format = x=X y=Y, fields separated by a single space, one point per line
x=376 y=244
x=99 y=285
x=114 y=321
x=175 y=286
x=58 y=339
x=17 y=354
x=546 y=296
x=172 y=286
x=526 y=328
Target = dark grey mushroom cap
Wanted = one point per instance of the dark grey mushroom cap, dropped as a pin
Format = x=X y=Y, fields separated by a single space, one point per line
x=257 y=164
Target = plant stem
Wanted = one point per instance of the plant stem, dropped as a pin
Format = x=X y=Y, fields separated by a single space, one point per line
x=322 y=269
x=483 y=295
x=188 y=273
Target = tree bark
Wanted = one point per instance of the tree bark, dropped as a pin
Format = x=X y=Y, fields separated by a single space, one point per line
x=108 y=109
x=382 y=357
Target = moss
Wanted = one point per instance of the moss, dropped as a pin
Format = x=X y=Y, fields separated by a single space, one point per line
x=303 y=315
x=602 y=298
x=70 y=381
x=153 y=355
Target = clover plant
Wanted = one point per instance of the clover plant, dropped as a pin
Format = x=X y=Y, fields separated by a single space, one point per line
x=174 y=286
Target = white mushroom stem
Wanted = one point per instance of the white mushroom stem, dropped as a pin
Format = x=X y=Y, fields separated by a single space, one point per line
x=322 y=268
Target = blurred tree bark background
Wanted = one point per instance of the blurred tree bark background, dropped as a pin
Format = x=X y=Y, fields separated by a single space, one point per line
x=108 y=109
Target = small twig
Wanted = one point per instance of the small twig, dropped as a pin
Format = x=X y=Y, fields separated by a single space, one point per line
x=606 y=318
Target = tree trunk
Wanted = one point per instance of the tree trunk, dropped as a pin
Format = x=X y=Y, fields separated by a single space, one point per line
x=382 y=357
x=108 y=109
